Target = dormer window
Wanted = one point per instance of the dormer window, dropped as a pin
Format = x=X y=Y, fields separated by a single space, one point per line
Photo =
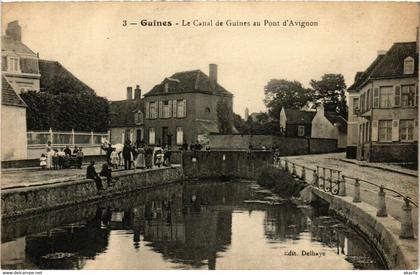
x=409 y=65
x=13 y=64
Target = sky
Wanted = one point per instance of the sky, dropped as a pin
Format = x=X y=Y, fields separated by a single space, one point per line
x=89 y=39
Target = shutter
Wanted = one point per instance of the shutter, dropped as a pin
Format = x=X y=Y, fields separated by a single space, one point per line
x=147 y=110
x=174 y=108
x=376 y=98
x=170 y=108
x=416 y=98
x=184 y=106
x=160 y=109
x=416 y=130
x=374 y=130
x=4 y=63
x=397 y=95
x=395 y=130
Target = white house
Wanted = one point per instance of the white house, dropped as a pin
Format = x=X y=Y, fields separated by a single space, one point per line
x=330 y=125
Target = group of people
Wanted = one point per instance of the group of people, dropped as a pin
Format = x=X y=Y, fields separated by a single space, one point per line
x=55 y=159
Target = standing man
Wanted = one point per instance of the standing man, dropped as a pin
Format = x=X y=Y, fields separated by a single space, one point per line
x=127 y=155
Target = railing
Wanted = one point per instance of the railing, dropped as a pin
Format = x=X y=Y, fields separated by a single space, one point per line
x=333 y=181
x=36 y=138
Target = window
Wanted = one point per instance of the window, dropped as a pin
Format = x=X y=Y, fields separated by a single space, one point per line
x=179 y=135
x=181 y=108
x=385 y=130
x=406 y=129
x=407 y=95
x=152 y=137
x=409 y=65
x=362 y=103
x=368 y=100
x=356 y=107
x=385 y=97
x=138 y=117
x=166 y=109
x=301 y=131
x=153 y=110
x=13 y=64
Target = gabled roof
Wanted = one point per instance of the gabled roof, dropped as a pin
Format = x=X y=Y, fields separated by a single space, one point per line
x=122 y=112
x=187 y=82
x=295 y=116
x=9 y=95
x=10 y=44
x=389 y=65
x=53 y=71
x=335 y=118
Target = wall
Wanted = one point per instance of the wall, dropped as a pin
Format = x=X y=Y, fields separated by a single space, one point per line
x=35 y=151
x=34 y=163
x=292 y=129
x=394 y=152
x=22 y=201
x=318 y=145
x=323 y=128
x=117 y=134
x=13 y=133
x=214 y=164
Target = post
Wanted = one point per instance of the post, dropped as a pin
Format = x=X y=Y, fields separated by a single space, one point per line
x=381 y=203
x=303 y=174
x=51 y=136
x=91 y=137
x=72 y=137
x=293 y=169
x=406 y=221
x=331 y=179
x=323 y=178
x=356 y=197
x=315 y=178
x=342 y=190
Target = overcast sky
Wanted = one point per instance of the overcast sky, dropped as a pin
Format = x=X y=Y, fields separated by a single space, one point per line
x=90 y=40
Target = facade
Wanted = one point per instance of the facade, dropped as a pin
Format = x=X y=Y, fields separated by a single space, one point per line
x=383 y=107
x=183 y=108
x=127 y=118
x=296 y=123
x=330 y=125
x=13 y=123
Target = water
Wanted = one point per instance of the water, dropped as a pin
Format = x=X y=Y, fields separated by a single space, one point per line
x=203 y=225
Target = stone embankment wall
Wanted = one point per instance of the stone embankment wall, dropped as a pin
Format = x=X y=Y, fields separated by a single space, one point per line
x=22 y=201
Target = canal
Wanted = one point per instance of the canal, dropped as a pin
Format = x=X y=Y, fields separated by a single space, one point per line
x=197 y=225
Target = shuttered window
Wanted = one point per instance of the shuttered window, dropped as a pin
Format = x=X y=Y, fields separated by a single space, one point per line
x=147 y=110
x=408 y=96
x=181 y=108
x=152 y=137
x=397 y=95
x=386 y=94
x=174 y=108
x=385 y=130
x=376 y=98
x=179 y=135
x=160 y=109
x=407 y=129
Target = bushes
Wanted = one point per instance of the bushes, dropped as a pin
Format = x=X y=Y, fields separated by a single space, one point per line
x=66 y=111
x=280 y=182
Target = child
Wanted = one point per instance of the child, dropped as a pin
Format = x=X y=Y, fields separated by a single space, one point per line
x=43 y=161
x=114 y=159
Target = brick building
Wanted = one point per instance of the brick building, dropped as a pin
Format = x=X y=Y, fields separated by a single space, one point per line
x=296 y=123
x=383 y=107
x=183 y=107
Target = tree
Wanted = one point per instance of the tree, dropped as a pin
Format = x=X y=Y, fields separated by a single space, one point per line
x=330 y=91
x=282 y=93
x=224 y=116
x=239 y=123
x=263 y=125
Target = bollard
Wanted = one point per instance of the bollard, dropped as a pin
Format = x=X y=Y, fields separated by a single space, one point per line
x=406 y=221
x=294 y=170
x=342 y=186
x=356 y=197
x=323 y=178
x=315 y=179
x=381 y=203
x=303 y=174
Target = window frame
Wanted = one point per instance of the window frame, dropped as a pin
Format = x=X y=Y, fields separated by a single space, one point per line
x=387 y=128
x=409 y=61
x=406 y=130
x=152 y=129
x=389 y=94
x=179 y=140
x=301 y=131
x=405 y=93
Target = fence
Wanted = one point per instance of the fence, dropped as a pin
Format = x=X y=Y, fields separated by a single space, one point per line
x=334 y=182
x=89 y=141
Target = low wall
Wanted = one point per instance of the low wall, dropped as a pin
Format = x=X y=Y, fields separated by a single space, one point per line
x=28 y=200
x=25 y=163
x=382 y=232
x=215 y=164
x=287 y=145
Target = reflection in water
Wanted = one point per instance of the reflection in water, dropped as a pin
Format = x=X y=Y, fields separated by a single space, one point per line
x=198 y=226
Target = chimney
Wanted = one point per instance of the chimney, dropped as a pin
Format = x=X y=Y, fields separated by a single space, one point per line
x=137 y=92
x=129 y=93
x=381 y=52
x=213 y=76
x=14 y=30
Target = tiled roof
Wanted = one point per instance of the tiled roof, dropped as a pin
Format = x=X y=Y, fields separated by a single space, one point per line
x=122 y=112
x=9 y=95
x=336 y=118
x=187 y=82
x=390 y=65
x=53 y=71
x=295 y=116
x=10 y=44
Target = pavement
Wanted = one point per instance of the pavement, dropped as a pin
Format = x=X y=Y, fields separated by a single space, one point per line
x=394 y=177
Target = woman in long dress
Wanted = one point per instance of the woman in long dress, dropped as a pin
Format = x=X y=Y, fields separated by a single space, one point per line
x=140 y=159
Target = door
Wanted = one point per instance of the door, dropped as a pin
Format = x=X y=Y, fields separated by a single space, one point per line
x=164 y=136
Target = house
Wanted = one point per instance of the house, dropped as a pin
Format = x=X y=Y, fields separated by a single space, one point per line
x=330 y=125
x=383 y=107
x=127 y=117
x=183 y=107
x=13 y=123
x=296 y=123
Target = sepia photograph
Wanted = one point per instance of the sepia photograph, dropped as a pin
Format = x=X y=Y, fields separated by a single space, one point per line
x=209 y=136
